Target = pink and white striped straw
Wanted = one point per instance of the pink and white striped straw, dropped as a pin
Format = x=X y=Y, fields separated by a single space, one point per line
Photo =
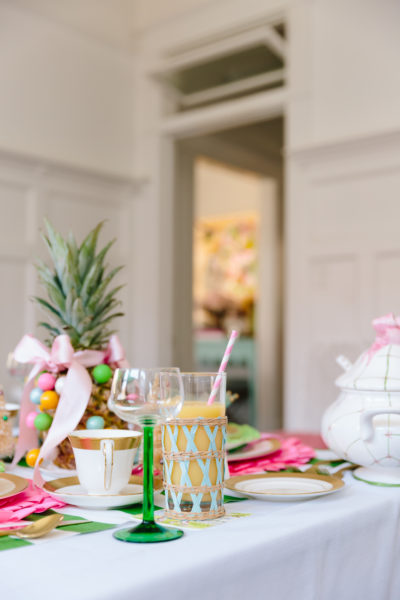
x=222 y=367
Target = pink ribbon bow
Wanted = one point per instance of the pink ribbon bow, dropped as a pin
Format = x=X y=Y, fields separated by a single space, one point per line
x=75 y=394
x=387 y=332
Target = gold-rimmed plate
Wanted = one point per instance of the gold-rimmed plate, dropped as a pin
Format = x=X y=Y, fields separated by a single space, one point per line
x=255 y=450
x=11 y=485
x=69 y=490
x=284 y=486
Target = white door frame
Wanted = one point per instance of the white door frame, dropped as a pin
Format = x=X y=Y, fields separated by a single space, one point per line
x=260 y=106
x=268 y=357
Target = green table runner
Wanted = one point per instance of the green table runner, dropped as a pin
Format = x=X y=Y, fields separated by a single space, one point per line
x=8 y=542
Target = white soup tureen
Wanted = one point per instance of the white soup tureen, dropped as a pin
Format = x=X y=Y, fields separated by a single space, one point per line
x=363 y=425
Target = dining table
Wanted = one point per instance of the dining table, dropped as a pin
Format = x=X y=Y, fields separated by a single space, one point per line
x=341 y=546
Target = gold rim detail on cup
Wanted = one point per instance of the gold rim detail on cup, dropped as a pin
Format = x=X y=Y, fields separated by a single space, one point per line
x=104 y=450
x=120 y=443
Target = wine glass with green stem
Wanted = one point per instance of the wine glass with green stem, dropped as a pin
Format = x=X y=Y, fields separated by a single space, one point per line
x=147 y=397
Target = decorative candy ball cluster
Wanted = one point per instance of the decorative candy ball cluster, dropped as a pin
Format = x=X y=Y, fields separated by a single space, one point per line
x=46 y=395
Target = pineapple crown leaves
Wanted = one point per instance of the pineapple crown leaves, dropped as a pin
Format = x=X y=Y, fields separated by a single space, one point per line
x=78 y=303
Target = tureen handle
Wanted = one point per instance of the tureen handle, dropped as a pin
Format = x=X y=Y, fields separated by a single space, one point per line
x=344 y=362
x=367 y=429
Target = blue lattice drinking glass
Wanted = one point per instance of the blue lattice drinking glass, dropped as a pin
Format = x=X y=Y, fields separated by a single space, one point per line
x=194 y=451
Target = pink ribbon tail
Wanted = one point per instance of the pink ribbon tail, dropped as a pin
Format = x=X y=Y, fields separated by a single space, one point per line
x=29 y=350
x=71 y=407
x=115 y=354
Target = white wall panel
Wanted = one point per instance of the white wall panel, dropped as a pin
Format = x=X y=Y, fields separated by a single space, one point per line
x=355 y=49
x=334 y=288
x=64 y=96
x=14 y=304
x=13 y=222
x=355 y=206
x=332 y=316
x=387 y=283
x=343 y=263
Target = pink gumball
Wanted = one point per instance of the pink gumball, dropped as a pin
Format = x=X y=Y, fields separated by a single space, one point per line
x=46 y=382
x=30 y=420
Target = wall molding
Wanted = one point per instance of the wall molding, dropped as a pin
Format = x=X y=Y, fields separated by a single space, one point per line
x=322 y=151
x=39 y=167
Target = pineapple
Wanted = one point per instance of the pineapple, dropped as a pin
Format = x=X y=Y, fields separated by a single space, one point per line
x=80 y=305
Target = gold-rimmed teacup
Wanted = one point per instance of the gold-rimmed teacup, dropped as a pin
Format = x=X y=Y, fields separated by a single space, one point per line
x=104 y=458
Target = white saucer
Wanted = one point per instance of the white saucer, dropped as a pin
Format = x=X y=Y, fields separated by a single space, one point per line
x=69 y=490
x=255 y=449
x=384 y=477
x=284 y=486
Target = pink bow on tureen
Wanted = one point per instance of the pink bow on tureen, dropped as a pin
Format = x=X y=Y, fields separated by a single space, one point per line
x=75 y=393
x=387 y=332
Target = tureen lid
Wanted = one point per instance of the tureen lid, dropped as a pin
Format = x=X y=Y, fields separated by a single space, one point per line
x=378 y=368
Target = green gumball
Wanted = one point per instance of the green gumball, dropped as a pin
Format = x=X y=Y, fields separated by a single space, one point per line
x=43 y=421
x=102 y=373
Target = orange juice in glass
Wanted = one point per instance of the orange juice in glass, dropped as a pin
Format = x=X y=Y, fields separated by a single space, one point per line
x=197 y=388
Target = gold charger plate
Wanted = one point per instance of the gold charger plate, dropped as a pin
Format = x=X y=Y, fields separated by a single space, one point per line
x=255 y=450
x=11 y=485
x=284 y=486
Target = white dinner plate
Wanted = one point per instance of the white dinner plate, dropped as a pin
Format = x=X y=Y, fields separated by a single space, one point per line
x=284 y=486
x=255 y=449
x=69 y=490
x=11 y=485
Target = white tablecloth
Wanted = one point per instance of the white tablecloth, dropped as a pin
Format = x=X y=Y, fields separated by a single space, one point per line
x=345 y=546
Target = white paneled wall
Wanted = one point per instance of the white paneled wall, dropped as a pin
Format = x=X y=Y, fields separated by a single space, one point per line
x=65 y=97
x=71 y=200
x=343 y=263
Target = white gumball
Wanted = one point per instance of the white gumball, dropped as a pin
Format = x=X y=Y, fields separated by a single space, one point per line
x=60 y=384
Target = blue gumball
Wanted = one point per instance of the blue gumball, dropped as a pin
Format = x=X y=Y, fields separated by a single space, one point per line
x=95 y=423
x=35 y=395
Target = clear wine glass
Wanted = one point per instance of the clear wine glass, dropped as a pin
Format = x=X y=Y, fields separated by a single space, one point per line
x=147 y=397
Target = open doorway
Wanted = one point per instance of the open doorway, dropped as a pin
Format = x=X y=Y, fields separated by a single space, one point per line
x=229 y=240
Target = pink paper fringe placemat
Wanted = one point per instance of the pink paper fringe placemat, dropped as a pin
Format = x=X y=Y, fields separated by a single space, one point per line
x=32 y=500
x=292 y=453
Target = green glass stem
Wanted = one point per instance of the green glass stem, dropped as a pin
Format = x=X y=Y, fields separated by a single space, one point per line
x=148 y=531
x=148 y=499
